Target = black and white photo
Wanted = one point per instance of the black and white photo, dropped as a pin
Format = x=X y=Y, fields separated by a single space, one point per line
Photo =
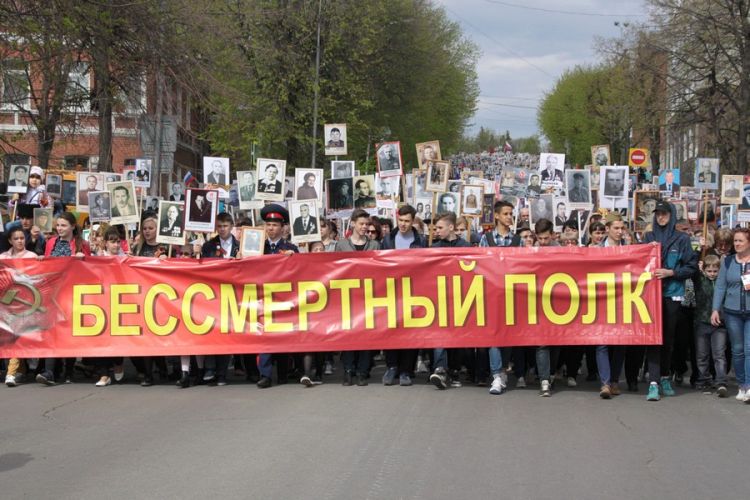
x=551 y=166
x=600 y=155
x=427 y=152
x=578 y=186
x=541 y=208
x=270 y=175
x=177 y=191
x=216 y=170
x=340 y=194
x=364 y=191
x=123 y=203
x=707 y=173
x=614 y=182
x=54 y=185
x=87 y=183
x=19 y=178
x=449 y=202
x=100 y=208
x=142 y=172
x=342 y=169
x=730 y=189
x=438 y=172
x=43 y=218
x=308 y=184
x=304 y=218
x=201 y=207
x=335 y=139
x=252 y=241
x=170 y=230
x=472 y=197
x=389 y=159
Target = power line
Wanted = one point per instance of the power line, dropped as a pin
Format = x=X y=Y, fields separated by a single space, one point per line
x=565 y=12
x=508 y=98
x=507 y=105
x=519 y=56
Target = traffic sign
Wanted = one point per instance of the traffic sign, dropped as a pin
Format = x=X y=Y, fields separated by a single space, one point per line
x=639 y=157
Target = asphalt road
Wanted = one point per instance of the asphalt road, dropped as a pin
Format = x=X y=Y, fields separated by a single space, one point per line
x=287 y=442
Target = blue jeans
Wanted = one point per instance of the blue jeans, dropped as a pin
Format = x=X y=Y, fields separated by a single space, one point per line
x=603 y=365
x=711 y=342
x=738 y=326
x=496 y=361
x=546 y=357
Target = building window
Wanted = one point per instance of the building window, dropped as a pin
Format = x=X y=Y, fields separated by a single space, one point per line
x=78 y=92
x=76 y=163
x=14 y=87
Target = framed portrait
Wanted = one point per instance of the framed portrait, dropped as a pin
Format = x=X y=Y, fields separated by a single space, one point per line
x=270 y=176
x=143 y=172
x=711 y=206
x=100 y=209
x=471 y=199
x=289 y=188
x=151 y=203
x=252 y=241
x=541 y=208
x=123 y=203
x=595 y=170
x=471 y=173
x=449 y=203
x=87 y=183
x=340 y=194
x=534 y=187
x=387 y=191
x=342 y=169
x=681 y=211
x=420 y=184
x=706 y=173
x=364 y=191
x=427 y=152
x=600 y=155
x=728 y=216
x=561 y=211
x=171 y=227
x=43 y=218
x=18 y=181
x=246 y=185
x=613 y=182
x=304 y=219
x=334 y=135
x=644 y=204
x=389 y=159
x=216 y=171
x=176 y=191
x=454 y=186
x=111 y=177
x=669 y=180
x=54 y=185
x=745 y=203
x=438 y=172
x=201 y=209
x=731 y=186
x=308 y=184
x=578 y=186
x=514 y=181
x=424 y=207
x=128 y=174
x=551 y=166
x=488 y=205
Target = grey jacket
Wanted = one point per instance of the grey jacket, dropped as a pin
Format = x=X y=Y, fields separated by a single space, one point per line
x=345 y=245
x=729 y=291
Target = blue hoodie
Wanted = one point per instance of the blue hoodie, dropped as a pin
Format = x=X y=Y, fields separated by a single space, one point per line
x=677 y=254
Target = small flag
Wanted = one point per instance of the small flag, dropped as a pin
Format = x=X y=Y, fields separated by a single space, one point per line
x=189 y=179
x=507 y=147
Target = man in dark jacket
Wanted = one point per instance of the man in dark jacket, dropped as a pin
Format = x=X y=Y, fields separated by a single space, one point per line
x=401 y=362
x=679 y=262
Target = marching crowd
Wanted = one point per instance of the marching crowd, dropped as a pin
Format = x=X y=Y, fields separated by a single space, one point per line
x=706 y=317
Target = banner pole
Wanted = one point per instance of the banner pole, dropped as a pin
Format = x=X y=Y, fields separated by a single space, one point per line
x=705 y=223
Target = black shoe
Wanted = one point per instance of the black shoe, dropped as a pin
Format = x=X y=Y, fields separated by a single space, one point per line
x=221 y=380
x=264 y=383
x=347 y=379
x=632 y=386
x=184 y=381
x=361 y=380
x=722 y=391
x=147 y=382
x=198 y=377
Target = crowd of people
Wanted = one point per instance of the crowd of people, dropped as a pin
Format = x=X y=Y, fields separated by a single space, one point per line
x=706 y=318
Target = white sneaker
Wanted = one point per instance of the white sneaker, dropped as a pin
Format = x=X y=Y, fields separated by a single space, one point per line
x=572 y=382
x=497 y=387
x=521 y=383
x=10 y=381
x=545 y=392
x=422 y=367
x=740 y=395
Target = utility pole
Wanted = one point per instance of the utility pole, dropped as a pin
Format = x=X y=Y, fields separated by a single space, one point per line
x=316 y=89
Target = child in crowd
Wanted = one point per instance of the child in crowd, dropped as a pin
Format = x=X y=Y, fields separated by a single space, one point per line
x=710 y=341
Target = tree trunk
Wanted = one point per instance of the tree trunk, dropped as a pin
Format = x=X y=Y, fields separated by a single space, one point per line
x=104 y=101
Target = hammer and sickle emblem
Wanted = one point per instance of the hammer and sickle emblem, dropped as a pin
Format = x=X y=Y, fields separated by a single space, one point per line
x=35 y=305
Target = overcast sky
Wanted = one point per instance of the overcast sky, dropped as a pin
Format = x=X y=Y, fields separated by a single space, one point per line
x=525 y=47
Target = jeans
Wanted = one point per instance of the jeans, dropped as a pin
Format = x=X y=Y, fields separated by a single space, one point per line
x=660 y=356
x=711 y=341
x=496 y=361
x=356 y=362
x=402 y=359
x=603 y=365
x=545 y=356
x=738 y=326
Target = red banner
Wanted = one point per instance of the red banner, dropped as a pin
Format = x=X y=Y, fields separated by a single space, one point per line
x=477 y=297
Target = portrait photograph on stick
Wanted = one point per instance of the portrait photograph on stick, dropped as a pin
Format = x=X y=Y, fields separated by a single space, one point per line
x=100 y=209
x=216 y=170
x=644 y=203
x=600 y=155
x=201 y=207
x=53 y=183
x=541 y=208
x=334 y=135
x=87 y=183
x=613 y=182
x=449 y=202
x=142 y=175
x=731 y=186
x=389 y=161
x=578 y=186
x=308 y=184
x=706 y=173
x=342 y=169
x=427 y=152
x=364 y=191
x=43 y=218
x=171 y=219
x=340 y=194
x=270 y=175
x=252 y=241
x=19 y=178
x=471 y=199
x=304 y=218
x=438 y=172
x=123 y=203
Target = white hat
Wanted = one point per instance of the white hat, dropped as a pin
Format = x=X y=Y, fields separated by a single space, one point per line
x=37 y=171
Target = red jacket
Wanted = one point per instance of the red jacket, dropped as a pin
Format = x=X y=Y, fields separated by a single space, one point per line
x=51 y=244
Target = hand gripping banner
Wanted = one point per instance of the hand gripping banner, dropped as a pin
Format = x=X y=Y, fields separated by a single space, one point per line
x=475 y=297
